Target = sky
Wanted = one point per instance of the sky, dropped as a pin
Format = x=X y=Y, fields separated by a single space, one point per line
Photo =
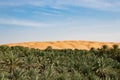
x=58 y=20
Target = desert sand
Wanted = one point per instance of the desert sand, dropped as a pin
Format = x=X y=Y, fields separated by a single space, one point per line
x=64 y=44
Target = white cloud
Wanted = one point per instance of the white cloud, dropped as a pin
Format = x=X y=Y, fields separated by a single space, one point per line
x=65 y=30
x=95 y=4
x=63 y=4
x=67 y=23
x=26 y=23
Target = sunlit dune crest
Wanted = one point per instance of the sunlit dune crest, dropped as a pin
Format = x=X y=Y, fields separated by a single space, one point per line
x=65 y=44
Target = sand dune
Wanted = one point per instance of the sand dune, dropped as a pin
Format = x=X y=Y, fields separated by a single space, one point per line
x=64 y=44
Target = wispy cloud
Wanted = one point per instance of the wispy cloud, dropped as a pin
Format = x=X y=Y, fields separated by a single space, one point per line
x=64 y=24
x=64 y=30
x=63 y=4
x=26 y=23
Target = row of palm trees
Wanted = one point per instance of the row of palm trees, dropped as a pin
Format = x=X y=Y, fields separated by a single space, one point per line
x=22 y=63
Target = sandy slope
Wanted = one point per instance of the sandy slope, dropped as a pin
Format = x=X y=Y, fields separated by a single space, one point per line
x=64 y=44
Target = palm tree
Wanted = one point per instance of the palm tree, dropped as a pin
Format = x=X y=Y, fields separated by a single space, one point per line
x=19 y=74
x=49 y=48
x=115 y=47
x=104 y=47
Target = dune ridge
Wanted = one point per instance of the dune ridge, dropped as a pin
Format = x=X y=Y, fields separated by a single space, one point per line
x=64 y=44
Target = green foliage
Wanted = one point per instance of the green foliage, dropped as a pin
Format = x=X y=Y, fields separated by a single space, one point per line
x=22 y=63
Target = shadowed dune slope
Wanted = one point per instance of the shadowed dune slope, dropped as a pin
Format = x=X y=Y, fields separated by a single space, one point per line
x=64 y=44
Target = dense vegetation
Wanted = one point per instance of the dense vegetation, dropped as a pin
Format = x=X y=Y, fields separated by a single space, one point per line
x=22 y=63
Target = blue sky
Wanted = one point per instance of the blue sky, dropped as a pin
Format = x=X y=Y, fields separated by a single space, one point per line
x=53 y=20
